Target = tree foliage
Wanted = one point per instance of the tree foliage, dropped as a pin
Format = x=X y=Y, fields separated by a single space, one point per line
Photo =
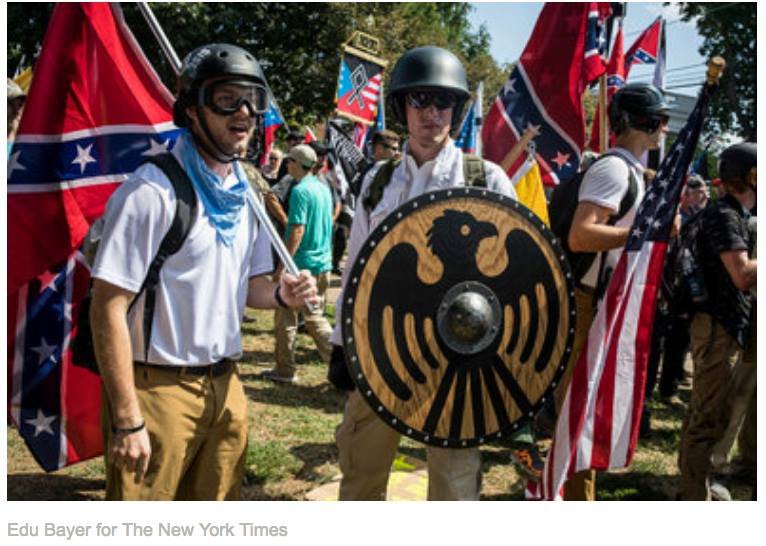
x=729 y=30
x=299 y=44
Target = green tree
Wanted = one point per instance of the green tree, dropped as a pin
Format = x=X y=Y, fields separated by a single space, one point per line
x=299 y=44
x=729 y=30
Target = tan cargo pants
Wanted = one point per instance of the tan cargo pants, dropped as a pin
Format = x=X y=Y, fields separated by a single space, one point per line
x=716 y=355
x=582 y=485
x=198 y=432
x=286 y=330
x=367 y=447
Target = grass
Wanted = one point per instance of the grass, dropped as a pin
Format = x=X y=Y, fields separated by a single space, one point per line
x=292 y=447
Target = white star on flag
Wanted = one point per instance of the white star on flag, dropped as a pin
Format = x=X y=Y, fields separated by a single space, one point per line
x=44 y=352
x=508 y=87
x=83 y=157
x=156 y=148
x=41 y=423
x=14 y=165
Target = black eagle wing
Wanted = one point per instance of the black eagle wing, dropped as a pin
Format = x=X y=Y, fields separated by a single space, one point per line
x=396 y=293
x=529 y=281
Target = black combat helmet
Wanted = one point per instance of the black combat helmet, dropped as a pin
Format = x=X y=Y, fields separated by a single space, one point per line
x=209 y=66
x=736 y=161
x=427 y=67
x=638 y=105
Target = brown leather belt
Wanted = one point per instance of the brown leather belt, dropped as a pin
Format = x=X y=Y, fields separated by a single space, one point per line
x=213 y=370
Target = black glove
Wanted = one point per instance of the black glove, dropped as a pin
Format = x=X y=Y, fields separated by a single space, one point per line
x=338 y=373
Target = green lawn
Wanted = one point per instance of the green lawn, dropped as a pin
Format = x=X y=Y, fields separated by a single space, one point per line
x=292 y=448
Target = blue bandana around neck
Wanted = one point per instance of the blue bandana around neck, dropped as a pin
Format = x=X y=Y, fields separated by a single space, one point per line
x=222 y=206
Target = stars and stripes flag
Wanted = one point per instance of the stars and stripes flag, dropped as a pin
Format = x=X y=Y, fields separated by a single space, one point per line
x=466 y=139
x=615 y=79
x=599 y=421
x=545 y=88
x=272 y=121
x=95 y=110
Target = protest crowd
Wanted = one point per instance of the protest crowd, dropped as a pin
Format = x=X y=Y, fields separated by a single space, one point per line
x=180 y=247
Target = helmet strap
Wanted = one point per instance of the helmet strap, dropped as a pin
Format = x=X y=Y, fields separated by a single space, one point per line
x=215 y=151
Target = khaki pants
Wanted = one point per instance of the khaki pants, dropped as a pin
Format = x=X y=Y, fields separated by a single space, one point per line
x=582 y=485
x=367 y=447
x=198 y=432
x=716 y=355
x=286 y=326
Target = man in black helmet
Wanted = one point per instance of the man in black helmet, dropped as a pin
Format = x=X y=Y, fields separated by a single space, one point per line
x=723 y=326
x=610 y=193
x=428 y=91
x=174 y=412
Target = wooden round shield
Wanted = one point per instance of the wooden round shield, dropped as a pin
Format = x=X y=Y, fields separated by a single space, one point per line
x=458 y=317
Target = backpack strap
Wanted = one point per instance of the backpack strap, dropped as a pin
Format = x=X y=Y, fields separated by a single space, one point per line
x=379 y=183
x=627 y=202
x=186 y=212
x=473 y=171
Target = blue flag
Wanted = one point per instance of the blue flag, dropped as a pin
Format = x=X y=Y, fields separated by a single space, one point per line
x=466 y=139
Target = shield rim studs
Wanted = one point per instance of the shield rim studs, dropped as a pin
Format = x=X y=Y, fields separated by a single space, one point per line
x=396 y=422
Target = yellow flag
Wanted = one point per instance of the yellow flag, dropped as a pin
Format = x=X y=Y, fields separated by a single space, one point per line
x=529 y=189
x=24 y=79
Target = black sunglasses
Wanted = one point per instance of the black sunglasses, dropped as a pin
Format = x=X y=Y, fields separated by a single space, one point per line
x=423 y=99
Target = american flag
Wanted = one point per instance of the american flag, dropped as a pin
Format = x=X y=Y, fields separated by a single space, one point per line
x=545 y=89
x=95 y=111
x=599 y=421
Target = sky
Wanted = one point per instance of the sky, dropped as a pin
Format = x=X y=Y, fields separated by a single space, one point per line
x=510 y=25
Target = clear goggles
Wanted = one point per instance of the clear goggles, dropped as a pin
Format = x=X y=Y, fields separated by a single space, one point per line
x=226 y=97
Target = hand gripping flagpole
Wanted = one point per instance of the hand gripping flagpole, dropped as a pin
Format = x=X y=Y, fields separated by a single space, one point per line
x=260 y=212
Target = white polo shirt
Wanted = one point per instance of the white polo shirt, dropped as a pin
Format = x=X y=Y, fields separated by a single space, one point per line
x=408 y=181
x=201 y=294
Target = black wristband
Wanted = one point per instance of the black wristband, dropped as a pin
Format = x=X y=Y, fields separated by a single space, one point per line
x=116 y=430
x=278 y=298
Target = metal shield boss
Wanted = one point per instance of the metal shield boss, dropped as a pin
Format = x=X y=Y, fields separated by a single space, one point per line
x=458 y=317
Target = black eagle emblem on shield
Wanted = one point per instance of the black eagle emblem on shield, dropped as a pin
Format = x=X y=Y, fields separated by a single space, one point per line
x=458 y=317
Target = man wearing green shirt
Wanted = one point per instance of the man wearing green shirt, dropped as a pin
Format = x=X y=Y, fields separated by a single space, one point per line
x=309 y=240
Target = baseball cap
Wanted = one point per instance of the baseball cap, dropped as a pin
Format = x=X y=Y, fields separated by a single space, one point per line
x=304 y=155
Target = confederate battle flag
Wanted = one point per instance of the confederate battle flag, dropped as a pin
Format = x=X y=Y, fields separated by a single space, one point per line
x=95 y=111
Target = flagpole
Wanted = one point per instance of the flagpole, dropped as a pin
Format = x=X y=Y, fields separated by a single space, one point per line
x=263 y=218
x=167 y=48
x=478 y=113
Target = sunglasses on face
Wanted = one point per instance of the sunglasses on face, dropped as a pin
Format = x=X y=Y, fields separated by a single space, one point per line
x=390 y=147
x=273 y=159
x=423 y=99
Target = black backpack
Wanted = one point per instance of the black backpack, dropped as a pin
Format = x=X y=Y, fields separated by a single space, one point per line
x=561 y=210
x=683 y=285
x=83 y=353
